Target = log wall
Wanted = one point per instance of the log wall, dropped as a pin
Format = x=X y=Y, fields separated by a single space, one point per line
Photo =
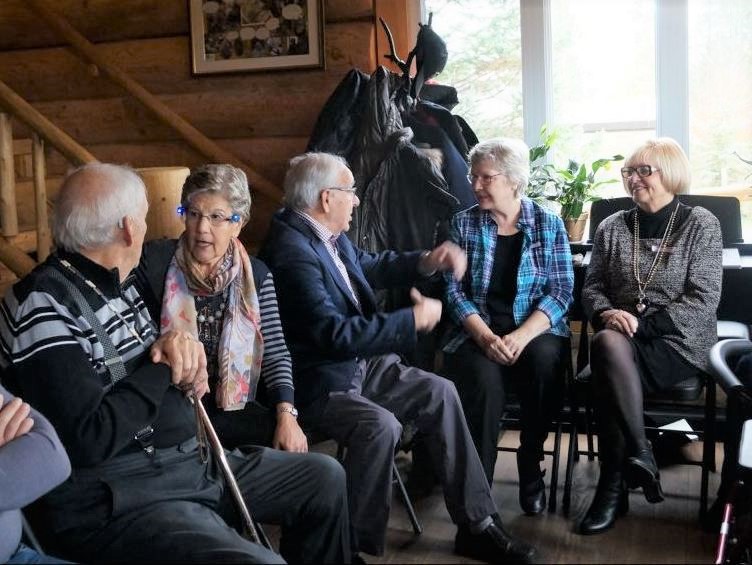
x=265 y=118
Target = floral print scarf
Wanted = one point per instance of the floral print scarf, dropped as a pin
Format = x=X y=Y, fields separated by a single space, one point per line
x=241 y=346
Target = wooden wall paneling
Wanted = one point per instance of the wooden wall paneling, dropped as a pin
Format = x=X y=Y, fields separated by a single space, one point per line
x=162 y=66
x=25 y=199
x=267 y=155
x=101 y=20
x=396 y=16
x=20 y=29
x=337 y=10
x=351 y=45
x=288 y=111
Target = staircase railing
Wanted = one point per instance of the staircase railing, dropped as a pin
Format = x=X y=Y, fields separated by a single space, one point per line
x=208 y=148
x=13 y=105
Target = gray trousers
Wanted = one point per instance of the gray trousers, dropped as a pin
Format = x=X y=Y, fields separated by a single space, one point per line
x=368 y=422
x=177 y=509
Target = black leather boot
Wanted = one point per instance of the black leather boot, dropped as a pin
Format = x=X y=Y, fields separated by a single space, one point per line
x=609 y=502
x=642 y=471
x=532 y=488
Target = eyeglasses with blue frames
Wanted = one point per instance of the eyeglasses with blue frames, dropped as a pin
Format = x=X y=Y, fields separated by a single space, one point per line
x=193 y=216
x=485 y=180
x=641 y=170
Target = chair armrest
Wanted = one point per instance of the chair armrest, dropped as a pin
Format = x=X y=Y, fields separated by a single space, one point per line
x=719 y=356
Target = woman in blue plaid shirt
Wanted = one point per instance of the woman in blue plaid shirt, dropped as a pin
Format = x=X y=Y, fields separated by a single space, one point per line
x=509 y=310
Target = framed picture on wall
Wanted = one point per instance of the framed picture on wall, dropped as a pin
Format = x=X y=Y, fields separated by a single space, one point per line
x=256 y=35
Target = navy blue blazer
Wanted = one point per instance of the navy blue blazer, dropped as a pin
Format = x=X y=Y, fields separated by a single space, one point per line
x=326 y=331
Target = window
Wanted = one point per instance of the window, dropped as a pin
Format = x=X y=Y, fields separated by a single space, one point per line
x=720 y=92
x=603 y=79
x=485 y=61
x=609 y=74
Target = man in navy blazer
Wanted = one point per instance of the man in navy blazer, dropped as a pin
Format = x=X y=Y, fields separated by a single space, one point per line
x=349 y=383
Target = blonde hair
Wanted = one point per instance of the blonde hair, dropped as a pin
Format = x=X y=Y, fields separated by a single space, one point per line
x=669 y=157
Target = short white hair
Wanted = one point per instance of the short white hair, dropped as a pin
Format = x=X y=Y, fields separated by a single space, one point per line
x=509 y=156
x=308 y=175
x=87 y=218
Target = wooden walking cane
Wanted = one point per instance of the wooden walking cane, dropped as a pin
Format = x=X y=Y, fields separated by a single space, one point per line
x=206 y=429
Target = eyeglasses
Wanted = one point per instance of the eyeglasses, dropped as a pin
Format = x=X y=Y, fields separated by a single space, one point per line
x=193 y=216
x=485 y=180
x=350 y=189
x=641 y=170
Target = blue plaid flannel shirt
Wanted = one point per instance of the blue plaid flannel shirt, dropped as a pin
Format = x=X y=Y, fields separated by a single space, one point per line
x=544 y=280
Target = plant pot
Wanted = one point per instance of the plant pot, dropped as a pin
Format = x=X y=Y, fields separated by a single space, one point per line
x=576 y=227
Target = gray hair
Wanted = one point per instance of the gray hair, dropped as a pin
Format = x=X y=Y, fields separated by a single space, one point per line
x=224 y=180
x=509 y=156
x=308 y=175
x=92 y=201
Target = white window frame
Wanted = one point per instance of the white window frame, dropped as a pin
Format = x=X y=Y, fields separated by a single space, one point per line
x=672 y=70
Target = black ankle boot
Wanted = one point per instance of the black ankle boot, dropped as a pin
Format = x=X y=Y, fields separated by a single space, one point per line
x=610 y=501
x=642 y=471
x=532 y=488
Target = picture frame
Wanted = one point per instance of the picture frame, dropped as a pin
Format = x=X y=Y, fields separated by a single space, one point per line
x=256 y=35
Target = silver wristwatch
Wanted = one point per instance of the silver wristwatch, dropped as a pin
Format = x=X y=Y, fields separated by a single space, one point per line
x=290 y=409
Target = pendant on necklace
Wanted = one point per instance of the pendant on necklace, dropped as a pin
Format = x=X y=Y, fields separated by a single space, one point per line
x=640 y=306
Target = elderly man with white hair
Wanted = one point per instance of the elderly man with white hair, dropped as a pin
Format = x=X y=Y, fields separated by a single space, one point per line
x=350 y=384
x=77 y=342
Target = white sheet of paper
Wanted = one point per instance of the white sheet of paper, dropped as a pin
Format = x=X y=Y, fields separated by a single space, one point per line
x=681 y=426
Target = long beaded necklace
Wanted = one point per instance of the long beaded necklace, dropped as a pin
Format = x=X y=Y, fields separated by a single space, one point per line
x=210 y=311
x=642 y=286
x=92 y=286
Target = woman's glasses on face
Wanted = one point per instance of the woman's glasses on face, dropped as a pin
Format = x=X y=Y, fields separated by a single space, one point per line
x=193 y=216
x=642 y=171
x=485 y=180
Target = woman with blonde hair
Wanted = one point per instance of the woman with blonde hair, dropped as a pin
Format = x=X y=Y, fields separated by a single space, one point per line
x=651 y=293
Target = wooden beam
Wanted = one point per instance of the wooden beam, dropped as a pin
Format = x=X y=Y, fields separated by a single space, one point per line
x=8 y=212
x=165 y=114
x=44 y=239
x=26 y=113
x=15 y=259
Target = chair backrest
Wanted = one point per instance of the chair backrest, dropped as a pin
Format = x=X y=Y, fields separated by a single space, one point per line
x=720 y=354
x=725 y=208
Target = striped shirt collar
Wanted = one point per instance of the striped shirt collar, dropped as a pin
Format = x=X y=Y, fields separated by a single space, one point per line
x=321 y=231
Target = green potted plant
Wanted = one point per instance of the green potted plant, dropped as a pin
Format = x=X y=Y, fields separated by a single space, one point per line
x=569 y=187
x=575 y=185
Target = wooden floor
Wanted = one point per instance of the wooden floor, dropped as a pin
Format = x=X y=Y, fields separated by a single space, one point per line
x=662 y=533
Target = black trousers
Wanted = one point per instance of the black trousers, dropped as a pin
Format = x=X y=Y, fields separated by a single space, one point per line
x=177 y=509
x=536 y=377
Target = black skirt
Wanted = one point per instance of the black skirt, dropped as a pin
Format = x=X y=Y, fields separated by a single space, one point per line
x=660 y=365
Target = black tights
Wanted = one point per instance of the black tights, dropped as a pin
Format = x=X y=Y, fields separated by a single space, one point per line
x=618 y=394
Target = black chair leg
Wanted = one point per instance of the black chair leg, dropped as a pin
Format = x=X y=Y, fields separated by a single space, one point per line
x=572 y=455
x=708 y=445
x=555 y=467
x=417 y=528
